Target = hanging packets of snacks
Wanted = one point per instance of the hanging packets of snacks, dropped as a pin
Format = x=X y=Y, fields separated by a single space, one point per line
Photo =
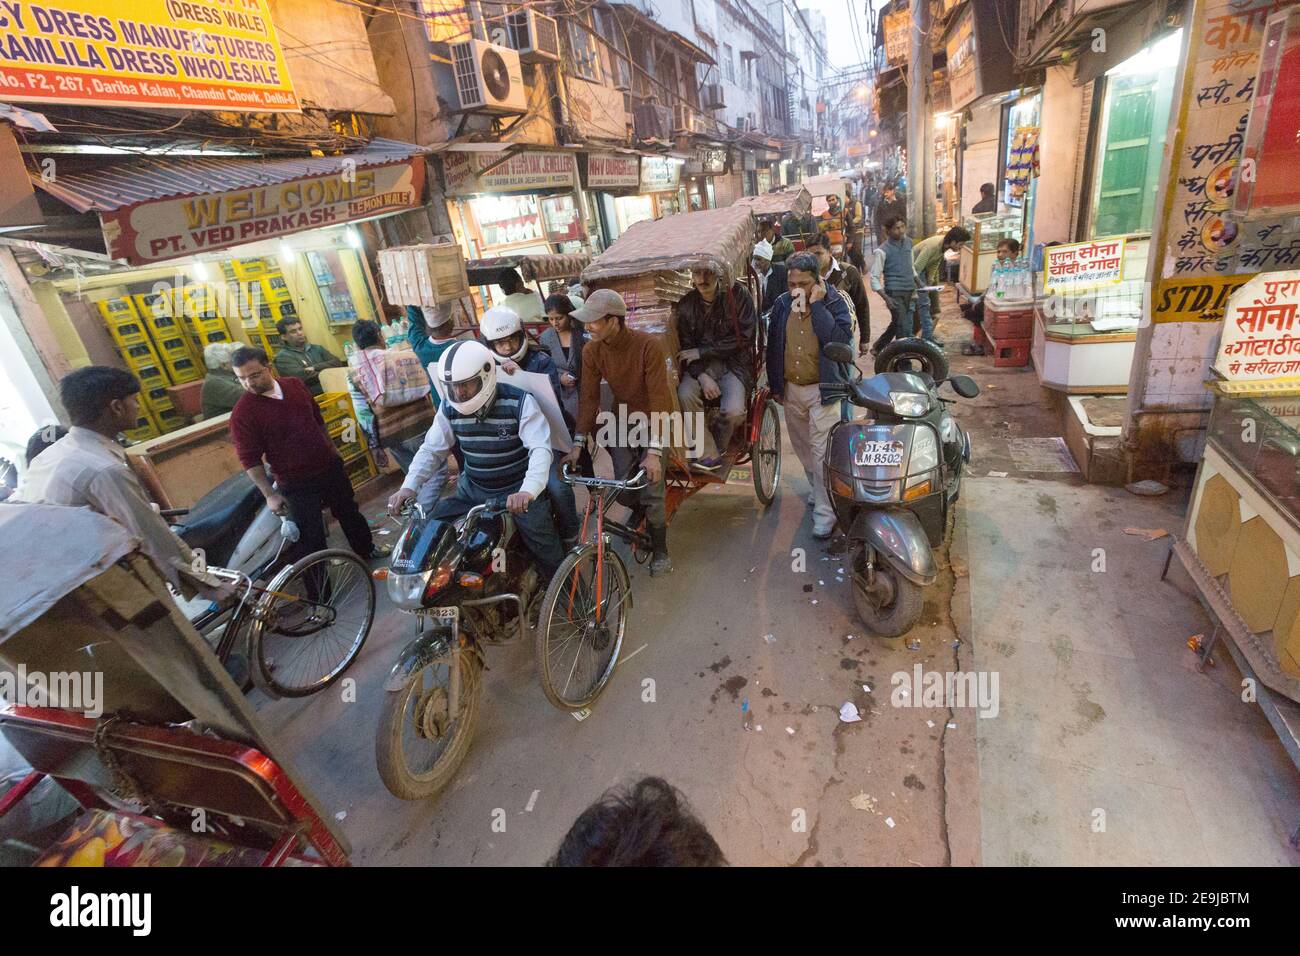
x=1024 y=160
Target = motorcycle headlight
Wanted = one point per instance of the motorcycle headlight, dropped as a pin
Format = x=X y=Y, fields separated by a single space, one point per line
x=407 y=590
x=925 y=452
x=909 y=404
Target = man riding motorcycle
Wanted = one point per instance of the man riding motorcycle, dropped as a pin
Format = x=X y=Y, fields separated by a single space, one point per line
x=506 y=443
x=504 y=333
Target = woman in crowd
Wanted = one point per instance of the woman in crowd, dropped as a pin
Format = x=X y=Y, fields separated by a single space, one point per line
x=564 y=341
x=365 y=378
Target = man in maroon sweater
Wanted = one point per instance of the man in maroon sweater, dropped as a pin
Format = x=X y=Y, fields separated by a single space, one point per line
x=278 y=420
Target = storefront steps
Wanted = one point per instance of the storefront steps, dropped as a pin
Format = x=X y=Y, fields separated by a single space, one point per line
x=1093 y=424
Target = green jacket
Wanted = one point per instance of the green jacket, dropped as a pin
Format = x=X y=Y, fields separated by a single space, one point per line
x=219 y=393
x=293 y=362
x=782 y=249
x=926 y=256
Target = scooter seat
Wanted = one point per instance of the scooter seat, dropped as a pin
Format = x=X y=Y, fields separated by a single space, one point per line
x=219 y=518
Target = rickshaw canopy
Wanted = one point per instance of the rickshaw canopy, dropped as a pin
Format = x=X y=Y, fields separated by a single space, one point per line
x=831 y=185
x=717 y=239
x=533 y=267
x=796 y=200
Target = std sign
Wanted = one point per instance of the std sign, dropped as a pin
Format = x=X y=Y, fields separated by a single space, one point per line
x=158 y=230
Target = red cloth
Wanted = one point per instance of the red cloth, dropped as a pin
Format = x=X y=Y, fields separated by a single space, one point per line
x=289 y=431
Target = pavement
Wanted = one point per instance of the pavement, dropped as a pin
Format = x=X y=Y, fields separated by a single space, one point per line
x=1107 y=747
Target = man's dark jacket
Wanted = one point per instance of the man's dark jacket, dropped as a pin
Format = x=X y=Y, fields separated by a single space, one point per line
x=776 y=284
x=846 y=277
x=886 y=208
x=709 y=328
x=830 y=320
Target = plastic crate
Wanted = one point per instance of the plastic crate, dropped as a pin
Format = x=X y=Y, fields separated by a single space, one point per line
x=360 y=469
x=173 y=345
x=145 y=428
x=169 y=418
x=274 y=289
x=138 y=355
x=250 y=268
x=182 y=369
x=1009 y=324
x=335 y=406
x=1008 y=353
x=128 y=334
x=151 y=376
x=116 y=311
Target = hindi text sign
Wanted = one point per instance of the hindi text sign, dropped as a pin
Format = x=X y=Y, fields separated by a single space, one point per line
x=1261 y=332
x=1083 y=265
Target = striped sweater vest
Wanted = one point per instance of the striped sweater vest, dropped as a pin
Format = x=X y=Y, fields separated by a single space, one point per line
x=495 y=456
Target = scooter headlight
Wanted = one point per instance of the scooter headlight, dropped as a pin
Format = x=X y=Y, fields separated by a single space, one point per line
x=909 y=404
x=925 y=452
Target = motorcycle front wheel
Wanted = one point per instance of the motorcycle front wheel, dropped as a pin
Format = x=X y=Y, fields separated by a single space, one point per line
x=418 y=745
x=893 y=606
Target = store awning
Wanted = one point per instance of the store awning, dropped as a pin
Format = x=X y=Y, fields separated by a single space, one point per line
x=155 y=208
x=102 y=186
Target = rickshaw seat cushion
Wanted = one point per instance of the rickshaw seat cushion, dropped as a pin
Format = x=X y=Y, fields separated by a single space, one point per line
x=111 y=838
x=219 y=518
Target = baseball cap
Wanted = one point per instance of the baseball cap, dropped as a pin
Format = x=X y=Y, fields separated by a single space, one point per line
x=599 y=304
x=763 y=250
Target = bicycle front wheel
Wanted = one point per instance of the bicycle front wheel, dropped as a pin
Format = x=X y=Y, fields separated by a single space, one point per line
x=310 y=624
x=580 y=629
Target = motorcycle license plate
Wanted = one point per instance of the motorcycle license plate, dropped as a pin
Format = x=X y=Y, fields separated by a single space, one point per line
x=879 y=454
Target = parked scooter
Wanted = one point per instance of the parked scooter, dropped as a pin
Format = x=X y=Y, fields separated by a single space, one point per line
x=893 y=479
x=471 y=583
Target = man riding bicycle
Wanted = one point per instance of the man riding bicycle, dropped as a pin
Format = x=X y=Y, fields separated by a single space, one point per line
x=506 y=443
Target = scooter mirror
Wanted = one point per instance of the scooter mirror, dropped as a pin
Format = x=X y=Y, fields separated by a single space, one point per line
x=964 y=386
x=839 y=352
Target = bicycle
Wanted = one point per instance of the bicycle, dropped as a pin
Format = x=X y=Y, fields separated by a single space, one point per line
x=301 y=631
x=586 y=603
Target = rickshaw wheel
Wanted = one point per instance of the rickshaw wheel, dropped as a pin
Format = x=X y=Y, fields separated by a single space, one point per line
x=766 y=455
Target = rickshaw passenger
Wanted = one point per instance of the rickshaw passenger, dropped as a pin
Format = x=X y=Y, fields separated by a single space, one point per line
x=632 y=363
x=715 y=328
x=504 y=334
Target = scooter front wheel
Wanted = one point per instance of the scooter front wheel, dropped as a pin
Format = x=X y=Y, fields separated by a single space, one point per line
x=891 y=606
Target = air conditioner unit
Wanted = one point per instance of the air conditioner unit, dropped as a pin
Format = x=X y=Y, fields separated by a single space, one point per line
x=685 y=119
x=489 y=78
x=534 y=36
x=714 y=96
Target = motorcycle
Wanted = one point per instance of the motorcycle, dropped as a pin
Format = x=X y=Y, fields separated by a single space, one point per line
x=471 y=583
x=893 y=479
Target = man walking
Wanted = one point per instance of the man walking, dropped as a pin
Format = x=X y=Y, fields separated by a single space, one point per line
x=807 y=317
x=279 y=421
x=633 y=364
x=893 y=275
x=845 y=277
x=889 y=204
x=301 y=359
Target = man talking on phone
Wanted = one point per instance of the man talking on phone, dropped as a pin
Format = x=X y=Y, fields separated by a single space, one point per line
x=803 y=320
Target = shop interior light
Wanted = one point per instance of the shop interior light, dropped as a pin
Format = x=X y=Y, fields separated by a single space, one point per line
x=201 y=270
x=353 y=237
x=286 y=250
x=1158 y=57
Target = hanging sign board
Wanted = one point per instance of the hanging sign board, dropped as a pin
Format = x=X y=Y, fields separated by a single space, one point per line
x=963 y=61
x=660 y=173
x=1261 y=331
x=898 y=28
x=157 y=230
x=145 y=54
x=1083 y=265
x=521 y=173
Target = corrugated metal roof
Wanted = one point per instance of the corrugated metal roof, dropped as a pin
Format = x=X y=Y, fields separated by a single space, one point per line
x=112 y=185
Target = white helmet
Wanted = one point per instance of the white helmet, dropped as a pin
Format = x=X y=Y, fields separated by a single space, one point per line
x=468 y=374
x=499 y=322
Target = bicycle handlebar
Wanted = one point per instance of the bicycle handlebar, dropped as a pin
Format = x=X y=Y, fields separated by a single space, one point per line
x=635 y=483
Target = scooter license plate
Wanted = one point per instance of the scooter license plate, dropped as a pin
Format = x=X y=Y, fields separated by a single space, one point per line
x=879 y=454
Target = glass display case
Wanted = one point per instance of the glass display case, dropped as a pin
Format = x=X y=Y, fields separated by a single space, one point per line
x=1260 y=434
x=986 y=232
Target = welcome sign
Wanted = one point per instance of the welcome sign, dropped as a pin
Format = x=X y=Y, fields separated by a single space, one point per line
x=196 y=54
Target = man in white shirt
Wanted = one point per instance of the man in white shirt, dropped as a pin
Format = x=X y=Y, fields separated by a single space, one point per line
x=521 y=300
x=87 y=467
x=506 y=443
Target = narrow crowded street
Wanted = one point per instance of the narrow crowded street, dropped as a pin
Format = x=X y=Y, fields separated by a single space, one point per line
x=1100 y=703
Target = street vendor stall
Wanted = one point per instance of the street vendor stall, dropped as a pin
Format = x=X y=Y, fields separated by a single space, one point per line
x=649 y=266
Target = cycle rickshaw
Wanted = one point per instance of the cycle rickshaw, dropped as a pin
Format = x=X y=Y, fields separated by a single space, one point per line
x=787 y=206
x=584 y=614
